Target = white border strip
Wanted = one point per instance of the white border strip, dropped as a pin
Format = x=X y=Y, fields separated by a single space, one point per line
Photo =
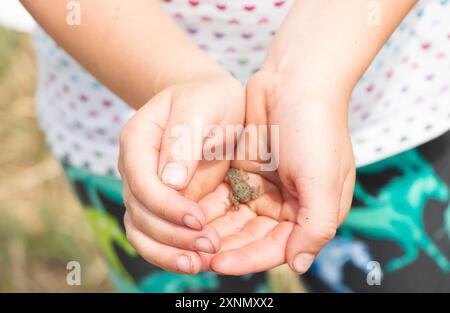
x=14 y=16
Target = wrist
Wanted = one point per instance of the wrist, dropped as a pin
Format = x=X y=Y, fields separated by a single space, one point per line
x=294 y=89
x=314 y=69
x=203 y=70
x=310 y=80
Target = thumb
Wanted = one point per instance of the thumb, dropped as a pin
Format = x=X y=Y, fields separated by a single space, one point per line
x=181 y=150
x=316 y=224
x=182 y=147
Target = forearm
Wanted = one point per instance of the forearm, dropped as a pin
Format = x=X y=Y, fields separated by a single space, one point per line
x=133 y=47
x=331 y=43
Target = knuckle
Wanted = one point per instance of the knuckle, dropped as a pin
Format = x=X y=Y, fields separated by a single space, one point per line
x=136 y=217
x=129 y=237
x=164 y=213
x=126 y=199
x=140 y=225
x=128 y=230
x=133 y=241
x=172 y=238
x=127 y=132
x=124 y=134
x=135 y=185
x=132 y=217
x=277 y=242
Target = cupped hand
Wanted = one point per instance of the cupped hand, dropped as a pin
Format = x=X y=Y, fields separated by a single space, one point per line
x=164 y=173
x=300 y=204
x=314 y=181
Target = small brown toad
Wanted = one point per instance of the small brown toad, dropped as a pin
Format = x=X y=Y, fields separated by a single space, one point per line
x=241 y=191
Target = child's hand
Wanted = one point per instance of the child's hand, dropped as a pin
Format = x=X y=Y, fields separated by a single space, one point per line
x=163 y=221
x=316 y=163
x=316 y=172
x=316 y=58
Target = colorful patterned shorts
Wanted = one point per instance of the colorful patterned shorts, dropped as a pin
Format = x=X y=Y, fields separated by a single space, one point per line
x=396 y=237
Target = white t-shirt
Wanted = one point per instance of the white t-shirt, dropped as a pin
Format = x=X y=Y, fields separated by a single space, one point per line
x=402 y=100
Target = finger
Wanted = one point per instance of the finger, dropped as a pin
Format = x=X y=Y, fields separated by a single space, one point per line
x=256 y=256
x=166 y=257
x=269 y=200
x=139 y=152
x=184 y=139
x=316 y=224
x=233 y=221
x=207 y=240
x=255 y=139
x=289 y=209
x=253 y=153
x=254 y=230
x=216 y=203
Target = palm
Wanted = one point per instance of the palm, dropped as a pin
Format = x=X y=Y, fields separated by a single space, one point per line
x=253 y=238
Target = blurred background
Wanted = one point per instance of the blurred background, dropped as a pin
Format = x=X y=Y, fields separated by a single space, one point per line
x=41 y=221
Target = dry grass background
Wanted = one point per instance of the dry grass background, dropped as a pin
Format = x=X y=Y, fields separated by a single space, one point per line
x=41 y=222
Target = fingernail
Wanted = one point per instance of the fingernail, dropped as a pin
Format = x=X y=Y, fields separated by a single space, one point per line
x=302 y=262
x=184 y=264
x=174 y=174
x=205 y=245
x=192 y=222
